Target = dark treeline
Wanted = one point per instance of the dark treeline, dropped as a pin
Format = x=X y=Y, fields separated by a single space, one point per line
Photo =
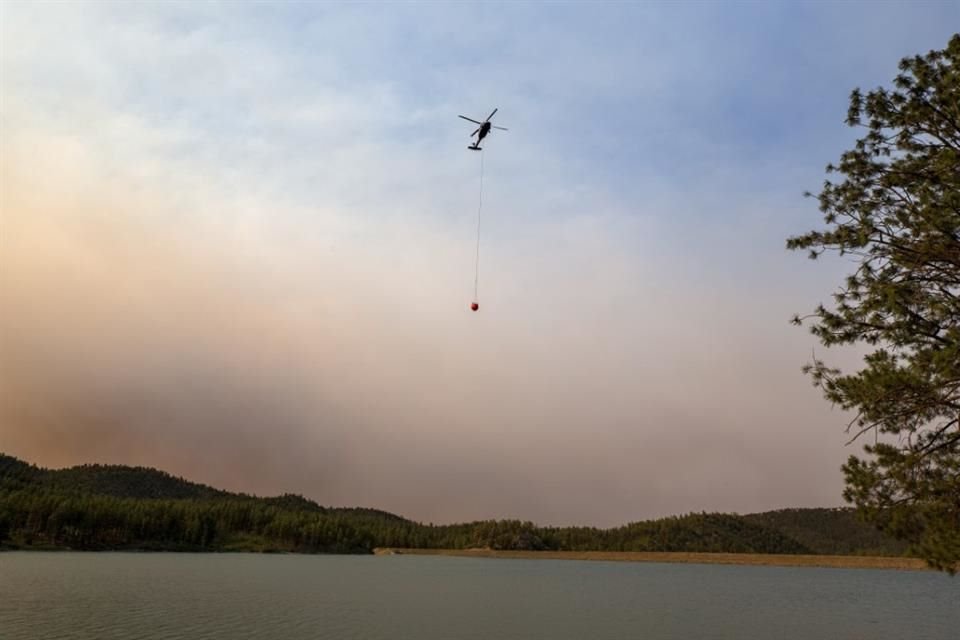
x=98 y=507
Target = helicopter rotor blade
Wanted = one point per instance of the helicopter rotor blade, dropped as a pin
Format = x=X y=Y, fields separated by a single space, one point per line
x=491 y=115
x=501 y=128
x=474 y=133
x=470 y=119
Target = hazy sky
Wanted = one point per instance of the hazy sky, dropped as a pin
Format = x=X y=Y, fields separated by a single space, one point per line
x=236 y=243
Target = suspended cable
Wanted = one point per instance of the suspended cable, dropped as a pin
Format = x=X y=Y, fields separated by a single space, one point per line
x=476 y=278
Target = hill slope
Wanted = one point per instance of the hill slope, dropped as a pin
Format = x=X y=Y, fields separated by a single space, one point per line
x=119 y=507
x=829 y=531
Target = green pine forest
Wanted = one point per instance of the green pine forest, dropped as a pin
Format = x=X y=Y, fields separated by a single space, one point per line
x=107 y=507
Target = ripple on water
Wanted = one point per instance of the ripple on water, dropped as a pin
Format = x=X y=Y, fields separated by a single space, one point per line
x=236 y=596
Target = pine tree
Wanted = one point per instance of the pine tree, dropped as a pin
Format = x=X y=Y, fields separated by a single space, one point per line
x=896 y=212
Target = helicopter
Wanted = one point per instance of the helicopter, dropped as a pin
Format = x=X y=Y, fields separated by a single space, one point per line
x=483 y=130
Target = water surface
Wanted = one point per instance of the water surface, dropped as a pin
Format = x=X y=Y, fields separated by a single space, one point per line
x=225 y=596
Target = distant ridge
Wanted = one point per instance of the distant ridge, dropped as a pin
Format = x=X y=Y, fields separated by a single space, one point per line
x=94 y=507
x=830 y=531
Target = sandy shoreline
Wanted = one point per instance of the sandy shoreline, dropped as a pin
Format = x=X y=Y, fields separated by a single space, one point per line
x=757 y=559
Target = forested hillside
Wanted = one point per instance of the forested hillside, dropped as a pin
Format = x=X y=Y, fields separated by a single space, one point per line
x=98 y=507
x=829 y=531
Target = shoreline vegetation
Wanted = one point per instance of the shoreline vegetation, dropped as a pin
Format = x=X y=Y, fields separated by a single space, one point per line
x=749 y=559
x=120 y=508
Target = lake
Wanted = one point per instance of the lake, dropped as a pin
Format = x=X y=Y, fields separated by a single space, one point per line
x=226 y=596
